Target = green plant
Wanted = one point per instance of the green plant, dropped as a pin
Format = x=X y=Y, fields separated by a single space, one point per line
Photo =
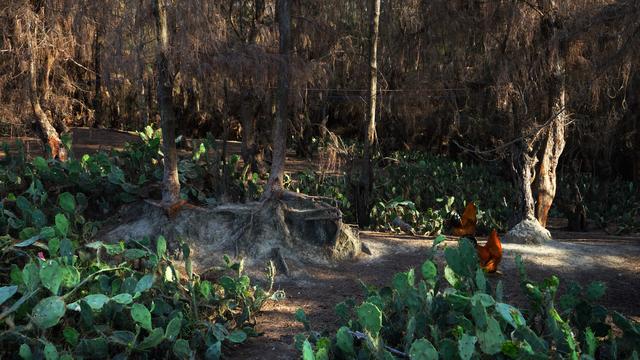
x=455 y=313
x=329 y=187
x=421 y=189
x=74 y=304
x=613 y=204
x=66 y=296
x=436 y=186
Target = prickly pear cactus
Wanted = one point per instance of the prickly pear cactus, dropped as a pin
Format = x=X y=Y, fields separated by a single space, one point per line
x=452 y=315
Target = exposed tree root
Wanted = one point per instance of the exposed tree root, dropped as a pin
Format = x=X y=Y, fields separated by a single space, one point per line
x=291 y=229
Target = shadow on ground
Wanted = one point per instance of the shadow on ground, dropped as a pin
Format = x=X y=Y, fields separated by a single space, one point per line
x=596 y=257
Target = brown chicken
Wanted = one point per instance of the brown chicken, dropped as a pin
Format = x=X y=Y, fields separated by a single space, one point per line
x=490 y=253
x=467 y=224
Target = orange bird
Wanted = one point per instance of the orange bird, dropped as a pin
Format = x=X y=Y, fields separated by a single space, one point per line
x=467 y=224
x=491 y=253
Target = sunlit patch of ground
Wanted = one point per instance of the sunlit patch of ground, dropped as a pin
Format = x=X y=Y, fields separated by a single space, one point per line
x=317 y=289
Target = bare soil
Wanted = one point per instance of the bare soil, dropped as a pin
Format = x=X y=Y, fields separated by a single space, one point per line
x=580 y=257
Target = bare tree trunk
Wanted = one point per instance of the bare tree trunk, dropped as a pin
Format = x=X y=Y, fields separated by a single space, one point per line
x=276 y=177
x=524 y=164
x=555 y=142
x=548 y=165
x=224 y=188
x=365 y=187
x=48 y=134
x=143 y=104
x=46 y=84
x=633 y=117
x=528 y=230
x=249 y=147
x=170 y=180
x=97 y=100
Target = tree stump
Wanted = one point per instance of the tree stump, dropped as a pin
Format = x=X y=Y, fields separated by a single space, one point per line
x=292 y=228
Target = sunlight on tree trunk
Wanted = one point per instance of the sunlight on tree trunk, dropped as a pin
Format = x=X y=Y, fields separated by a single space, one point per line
x=279 y=134
x=555 y=140
x=48 y=134
x=547 y=176
x=170 y=180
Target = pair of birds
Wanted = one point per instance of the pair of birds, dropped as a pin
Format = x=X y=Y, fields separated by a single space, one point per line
x=490 y=253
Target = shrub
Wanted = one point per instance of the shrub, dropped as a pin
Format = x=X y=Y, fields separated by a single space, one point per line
x=614 y=205
x=65 y=296
x=423 y=190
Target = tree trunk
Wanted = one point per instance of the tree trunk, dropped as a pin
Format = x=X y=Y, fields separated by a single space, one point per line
x=528 y=230
x=97 y=100
x=249 y=147
x=365 y=186
x=555 y=142
x=547 y=172
x=524 y=165
x=48 y=134
x=143 y=104
x=170 y=180
x=276 y=178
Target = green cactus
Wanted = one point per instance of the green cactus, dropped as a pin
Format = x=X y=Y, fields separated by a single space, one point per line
x=344 y=341
x=480 y=316
x=422 y=349
x=466 y=346
x=591 y=343
x=462 y=260
x=370 y=317
x=524 y=333
x=491 y=339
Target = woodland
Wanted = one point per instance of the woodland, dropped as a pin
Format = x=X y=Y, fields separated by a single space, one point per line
x=320 y=179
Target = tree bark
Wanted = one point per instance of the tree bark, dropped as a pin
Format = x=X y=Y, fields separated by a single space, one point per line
x=555 y=142
x=524 y=164
x=170 y=180
x=365 y=187
x=143 y=104
x=97 y=100
x=48 y=134
x=249 y=147
x=276 y=178
x=547 y=172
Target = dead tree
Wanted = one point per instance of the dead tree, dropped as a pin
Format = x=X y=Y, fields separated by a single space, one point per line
x=170 y=180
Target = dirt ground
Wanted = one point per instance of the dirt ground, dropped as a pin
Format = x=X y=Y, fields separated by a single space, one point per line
x=581 y=257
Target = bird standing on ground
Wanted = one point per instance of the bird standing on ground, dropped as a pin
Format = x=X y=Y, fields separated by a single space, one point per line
x=490 y=253
x=467 y=224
